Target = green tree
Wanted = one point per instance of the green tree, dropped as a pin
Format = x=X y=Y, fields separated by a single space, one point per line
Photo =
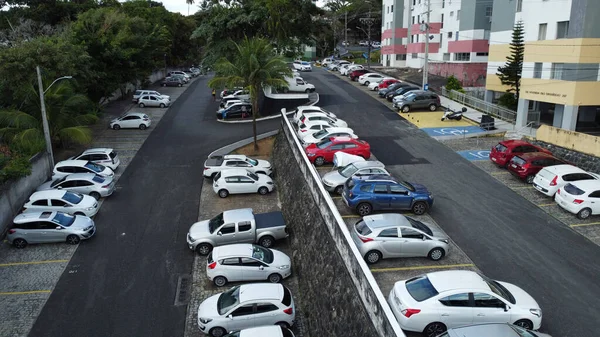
x=510 y=73
x=253 y=66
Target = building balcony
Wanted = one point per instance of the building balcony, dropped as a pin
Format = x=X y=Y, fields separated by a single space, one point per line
x=387 y=34
x=434 y=28
x=468 y=46
x=434 y=47
x=393 y=49
x=396 y=33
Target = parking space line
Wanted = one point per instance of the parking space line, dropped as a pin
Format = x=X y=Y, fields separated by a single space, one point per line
x=350 y=216
x=7 y=293
x=586 y=224
x=544 y=205
x=461 y=265
x=12 y=264
x=516 y=187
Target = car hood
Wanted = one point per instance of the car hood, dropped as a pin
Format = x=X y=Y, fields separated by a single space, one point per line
x=280 y=259
x=334 y=177
x=340 y=123
x=199 y=230
x=87 y=201
x=310 y=139
x=108 y=172
x=208 y=307
x=420 y=188
x=523 y=299
x=82 y=222
x=263 y=178
x=263 y=163
x=45 y=186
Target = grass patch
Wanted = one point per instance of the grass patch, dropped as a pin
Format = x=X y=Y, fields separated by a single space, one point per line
x=265 y=148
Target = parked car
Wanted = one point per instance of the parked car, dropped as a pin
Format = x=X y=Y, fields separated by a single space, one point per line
x=66 y=167
x=86 y=183
x=63 y=201
x=376 y=44
x=355 y=74
x=416 y=100
x=240 y=94
x=527 y=165
x=180 y=73
x=334 y=181
x=367 y=78
x=49 y=227
x=385 y=193
x=306 y=117
x=363 y=43
x=302 y=65
x=551 y=178
x=336 y=65
x=350 y=68
x=502 y=153
x=236 y=110
x=403 y=89
x=139 y=93
x=580 y=197
x=241 y=181
x=131 y=120
x=190 y=73
x=172 y=82
x=297 y=84
x=344 y=67
x=180 y=77
x=216 y=164
x=491 y=330
x=374 y=86
x=310 y=109
x=236 y=226
x=264 y=331
x=318 y=136
x=231 y=91
x=247 y=306
x=103 y=156
x=323 y=151
x=311 y=127
x=391 y=88
x=153 y=101
x=232 y=102
x=326 y=61
x=246 y=262
x=434 y=302
x=393 y=235
x=383 y=84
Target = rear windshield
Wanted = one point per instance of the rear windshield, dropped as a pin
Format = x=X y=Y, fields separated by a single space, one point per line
x=99 y=179
x=209 y=259
x=72 y=197
x=420 y=288
x=350 y=183
x=287 y=297
x=286 y=332
x=323 y=144
x=362 y=228
x=94 y=167
x=500 y=148
x=518 y=160
x=572 y=189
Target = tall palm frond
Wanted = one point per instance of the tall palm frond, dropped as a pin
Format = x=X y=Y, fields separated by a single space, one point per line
x=17 y=119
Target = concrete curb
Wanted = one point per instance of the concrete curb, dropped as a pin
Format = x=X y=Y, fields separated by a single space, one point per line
x=228 y=148
x=265 y=118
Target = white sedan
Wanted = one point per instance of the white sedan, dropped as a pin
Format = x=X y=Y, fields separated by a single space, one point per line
x=311 y=127
x=435 y=302
x=66 y=167
x=370 y=77
x=551 y=178
x=310 y=108
x=240 y=181
x=352 y=68
x=63 y=201
x=153 y=101
x=580 y=197
x=375 y=84
x=131 y=120
x=316 y=137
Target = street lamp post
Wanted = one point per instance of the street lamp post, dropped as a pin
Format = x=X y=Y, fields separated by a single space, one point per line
x=369 y=21
x=44 y=117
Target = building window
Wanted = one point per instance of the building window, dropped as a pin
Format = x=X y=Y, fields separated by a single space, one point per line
x=441 y=39
x=392 y=9
x=537 y=70
x=414 y=55
x=519 y=5
x=446 y=57
x=419 y=18
x=451 y=13
x=412 y=39
x=542 y=31
x=388 y=9
x=462 y=56
x=442 y=25
x=562 y=29
x=443 y=3
x=488 y=12
x=458 y=15
x=400 y=57
x=414 y=2
x=483 y=54
x=557 y=71
x=413 y=19
x=449 y=35
x=456 y=36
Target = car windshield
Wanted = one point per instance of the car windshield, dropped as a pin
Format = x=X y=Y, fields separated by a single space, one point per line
x=407 y=185
x=73 y=198
x=252 y=176
x=518 y=160
x=233 y=334
x=94 y=167
x=348 y=170
x=362 y=228
x=500 y=148
x=572 y=189
x=215 y=223
x=409 y=96
x=323 y=144
x=228 y=300
x=420 y=288
x=262 y=253
x=320 y=134
x=499 y=289
x=252 y=162
x=63 y=219
x=99 y=179
x=522 y=332
x=58 y=181
x=419 y=225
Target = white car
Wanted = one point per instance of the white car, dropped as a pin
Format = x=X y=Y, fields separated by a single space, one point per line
x=316 y=137
x=311 y=127
x=551 y=178
x=375 y=84
x=102 y=156
x=232 y=102
x=240 y=94
x=63 y=201
x=310 y=108
x=182 y=73
x=140 y=93
x=66 y=167
x=302 y=65
x=367 y=78
x=153 y=101
x=434 y=302
x=319 y=116
x=87 y=183
x=240 y=181
x=216 y=164
x=580 y=197
x=247 y=262
x=131 y=120
x=263 y=331
x=247 y=306
x=345 y=66
x=376 y=44
x=351 y=68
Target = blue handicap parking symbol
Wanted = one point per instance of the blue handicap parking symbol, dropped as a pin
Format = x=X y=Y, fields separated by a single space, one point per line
x=453 y=131
x=474 y=155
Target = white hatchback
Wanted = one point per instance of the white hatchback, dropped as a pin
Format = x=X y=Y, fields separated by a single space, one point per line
x=551 y=178
x=240 y=181
x=66 y=167
x=247 y=262
x=370 y=77
x=131 y=120
x=153 y=101
x=262 y=331
x=375 y=84
x=63 y=201
x=319 y=116
x=318 y=136
x=312 y=126
x=310 y=109
x=580 y=197
x=102 y=156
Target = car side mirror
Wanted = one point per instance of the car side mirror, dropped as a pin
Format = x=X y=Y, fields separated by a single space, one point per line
x=261 y=268
x=424 y=238
x=59 y=187
x=58 y=228
x=230 y=317
x=219 y=234
x=506 y=307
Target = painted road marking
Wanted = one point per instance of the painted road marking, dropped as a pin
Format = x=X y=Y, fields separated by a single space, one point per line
x=12 y=264
x=450 y=131
x=475 y=155
x=6 y=293
x=379 y=270
x=586 y=224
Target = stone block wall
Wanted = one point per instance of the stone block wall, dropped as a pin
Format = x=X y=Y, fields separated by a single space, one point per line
x=339 y=295
x=582 y=160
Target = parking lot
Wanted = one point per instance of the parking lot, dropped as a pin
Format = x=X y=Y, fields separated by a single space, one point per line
x=28 y=276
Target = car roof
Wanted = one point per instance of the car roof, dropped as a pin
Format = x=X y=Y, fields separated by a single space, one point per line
x=457 y=279
x=261 y=291
x=376 y=177
x=315 y=114
x=562 y=169
x=586 y=185
x=239 y=214
x=234 y=156
x=268 y=330
x=235 y=250
x=47 y=194
x=369 y=74
x=32 y=216
x=340 y=138
x=386 y=220
x=234 y=172
x=316 y=122
x=72 y=162
x=486 y=329
x=368 y=163
x=98 y=150
x=86 y=176
x=141 y=114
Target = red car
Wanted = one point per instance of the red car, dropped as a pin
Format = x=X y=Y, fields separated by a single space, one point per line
x=503 y=152
x=386 y=83
x=323 y=151
x=354 y=75
x=527 y=165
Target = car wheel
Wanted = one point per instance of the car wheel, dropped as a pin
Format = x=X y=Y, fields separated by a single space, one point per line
x=180 y=85
x=405 y=108
x=162 y=105
x=116 y=127
x=339 y=189
x=366 y=83
x=95 y=195
x=142 y=105
x=376 y=89
x=19 y=243
x=372 y=257
x=434 y=329
x=223 y=193
x=73 y=239
x=266 y=241
x=203 y=249
x=319 y=161
x=220 y=281
x=79 y=213
x=274 y=278
x=143 y=126
x=584 y=213
x=285 y=325
x=217 y=331
x=164 y=84
x=364 y=209
x=525 y=324
x=307 y=91
x=529 y=179
x=263 y=190
x=419 y=208
x=432 y=107
x=436 y=254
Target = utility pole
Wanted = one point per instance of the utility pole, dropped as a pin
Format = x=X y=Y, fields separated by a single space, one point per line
x=369 y=22
x=45 y=120
x=346 y=28
x=425 y=27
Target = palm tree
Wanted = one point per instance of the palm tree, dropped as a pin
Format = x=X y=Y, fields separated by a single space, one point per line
x=68 y=112
x=253 y=66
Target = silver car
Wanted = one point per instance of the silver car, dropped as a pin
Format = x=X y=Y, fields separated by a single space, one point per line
x=46 y=227
x=492 y=330
x=395 y=235
x=86 y=183
x=334 y=180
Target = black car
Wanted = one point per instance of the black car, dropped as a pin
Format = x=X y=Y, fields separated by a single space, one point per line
x=239 y=110
x=390 y=88
x=400 y=91
x=172 y=82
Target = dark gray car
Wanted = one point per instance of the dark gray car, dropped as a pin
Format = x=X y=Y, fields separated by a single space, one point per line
x=417 y=100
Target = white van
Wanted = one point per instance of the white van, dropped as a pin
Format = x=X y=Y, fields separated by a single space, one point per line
x=297 y=84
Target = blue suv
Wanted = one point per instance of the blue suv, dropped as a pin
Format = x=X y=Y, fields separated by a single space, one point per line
x=385 y=193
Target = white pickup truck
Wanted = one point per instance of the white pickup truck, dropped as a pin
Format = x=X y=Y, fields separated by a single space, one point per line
x=236 y=226
x=297 y=84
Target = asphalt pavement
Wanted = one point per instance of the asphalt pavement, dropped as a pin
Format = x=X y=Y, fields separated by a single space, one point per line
x=124 y=281
x=506 y=236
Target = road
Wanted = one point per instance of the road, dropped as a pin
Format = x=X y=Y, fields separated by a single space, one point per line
x=506 y=236
x=124 y=281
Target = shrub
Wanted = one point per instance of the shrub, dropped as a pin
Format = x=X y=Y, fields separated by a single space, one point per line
x=16 y=168
x=454 y=84
x=508 y=100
